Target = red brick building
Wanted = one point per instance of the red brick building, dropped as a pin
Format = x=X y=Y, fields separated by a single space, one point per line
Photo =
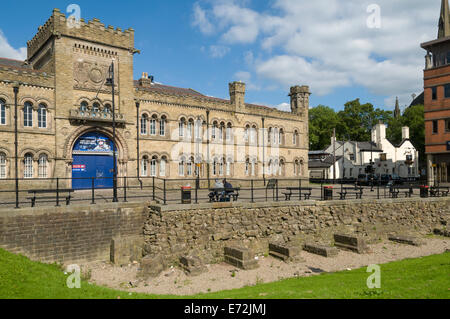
x=437 y=101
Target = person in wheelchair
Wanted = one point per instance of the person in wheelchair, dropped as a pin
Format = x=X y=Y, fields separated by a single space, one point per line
x=218 y=187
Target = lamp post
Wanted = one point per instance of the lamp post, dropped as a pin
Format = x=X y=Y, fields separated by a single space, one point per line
x=110 y=81
x=16 y=143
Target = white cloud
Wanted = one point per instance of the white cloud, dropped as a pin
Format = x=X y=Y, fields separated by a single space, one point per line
x=7 y=51
x=286 y=107
x=218 y=51
x=201 y=21
x=327 y=45
x=246 y=77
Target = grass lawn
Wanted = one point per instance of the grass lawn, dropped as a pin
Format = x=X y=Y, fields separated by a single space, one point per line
x=427 y=277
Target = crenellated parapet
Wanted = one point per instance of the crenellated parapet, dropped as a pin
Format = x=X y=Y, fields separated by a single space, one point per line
x=59 y=25
x=27 y=76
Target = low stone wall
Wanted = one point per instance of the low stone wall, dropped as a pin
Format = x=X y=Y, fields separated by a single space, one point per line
x=69 y=234
x=204 y=230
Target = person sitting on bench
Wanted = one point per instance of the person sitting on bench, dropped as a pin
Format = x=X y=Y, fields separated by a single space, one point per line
x=218 y=186
x=228 y=190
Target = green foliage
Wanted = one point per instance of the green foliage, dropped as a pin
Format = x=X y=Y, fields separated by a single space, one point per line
x=425 y=277
x=322 y=120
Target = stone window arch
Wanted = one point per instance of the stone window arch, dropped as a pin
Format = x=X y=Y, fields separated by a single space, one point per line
x=28 y=171
x=153 y=121
x=162 y=125
x=3 y=166
x=84 y=106
x=42 y=116
x=153 y=166
x=215 y=128
x=229 y=132
x=295 y=138
x=181 y=127
x=3 y=120
x=144 y=122
x=181 y=164
x=144 y=166
x=163 y=166
x=28 y=114
x=43 y=166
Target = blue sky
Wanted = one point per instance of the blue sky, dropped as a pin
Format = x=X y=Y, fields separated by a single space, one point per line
x=270 y=45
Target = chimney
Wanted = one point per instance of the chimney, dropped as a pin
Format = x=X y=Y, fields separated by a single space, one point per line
x=237 y=95
x=405 y=133
x=145 y=80
x=379 y=133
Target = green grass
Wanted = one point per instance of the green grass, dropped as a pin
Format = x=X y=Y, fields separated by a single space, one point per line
x=427 y=277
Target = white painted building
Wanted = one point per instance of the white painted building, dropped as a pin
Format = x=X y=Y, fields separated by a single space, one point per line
x=353 y=157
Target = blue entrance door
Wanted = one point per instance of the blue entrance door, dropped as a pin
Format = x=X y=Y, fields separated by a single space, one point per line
x=93 y=160
x=86 y=167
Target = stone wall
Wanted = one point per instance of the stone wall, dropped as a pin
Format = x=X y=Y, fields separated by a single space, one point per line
x=204 y=230
x=69 y=234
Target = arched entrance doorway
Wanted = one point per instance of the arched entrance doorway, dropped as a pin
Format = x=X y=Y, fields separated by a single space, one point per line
x=93 y=158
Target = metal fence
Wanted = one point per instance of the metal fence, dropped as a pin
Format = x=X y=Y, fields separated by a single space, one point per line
x=58 y=191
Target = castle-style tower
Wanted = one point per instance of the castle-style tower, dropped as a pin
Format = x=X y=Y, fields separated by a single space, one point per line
x=300 y=99
x=237 y=96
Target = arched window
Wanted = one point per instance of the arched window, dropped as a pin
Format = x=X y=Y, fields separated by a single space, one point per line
x=253 y=167
x=247 y=167
x=214 y=131
x=144 y=120
x=253 y=139
x=302 y=167
x=107 y=109
x=28 y=166
x=162 y=126
x=221 y=163
x=295 y=138
x=162 y=167
x=42 y=116
x=246 y=133
x=190 y=129
x=153 y=166
x=153 y=125
x=28 y=115
x=95 y=108
x=189 y=166
x=181 y=166
x=2 y=112
x=280 y=136
x=221 y=131
x=3 y=165
x=84 y=106
x=144 y=166
x=181 y=126
x=296 y=168
x=229 y=132
x=269 y=168
x=269 y=135
x=198 y=129
x=43 y=166
x=214 y=167
x=281 y=169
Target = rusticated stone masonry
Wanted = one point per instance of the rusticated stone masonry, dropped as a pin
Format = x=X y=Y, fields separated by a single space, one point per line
x=174 y=231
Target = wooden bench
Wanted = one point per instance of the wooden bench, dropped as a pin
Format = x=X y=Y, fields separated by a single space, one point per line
x=298 y=191
x=216 y=194
x=50 y=191
x=351 y=191
x=393 y=192
x=408 y=190
x=437 y=191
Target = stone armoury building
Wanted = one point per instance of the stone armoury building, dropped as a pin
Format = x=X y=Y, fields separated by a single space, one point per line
x=65 y=117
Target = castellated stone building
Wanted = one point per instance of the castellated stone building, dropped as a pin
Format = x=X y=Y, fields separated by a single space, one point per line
x=64 y=117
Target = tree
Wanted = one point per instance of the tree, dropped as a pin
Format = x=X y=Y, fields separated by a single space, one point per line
x=322 y=120
x=356 y=120
x=413 y=117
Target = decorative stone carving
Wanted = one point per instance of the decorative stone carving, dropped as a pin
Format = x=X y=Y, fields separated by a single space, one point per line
x=90 y=74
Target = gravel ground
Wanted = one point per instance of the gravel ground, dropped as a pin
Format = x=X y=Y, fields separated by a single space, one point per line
x=220 y=276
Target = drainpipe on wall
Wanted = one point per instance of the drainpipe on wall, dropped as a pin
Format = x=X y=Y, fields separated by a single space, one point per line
x=137 y=145
x=207 y=144
x=16 y=143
